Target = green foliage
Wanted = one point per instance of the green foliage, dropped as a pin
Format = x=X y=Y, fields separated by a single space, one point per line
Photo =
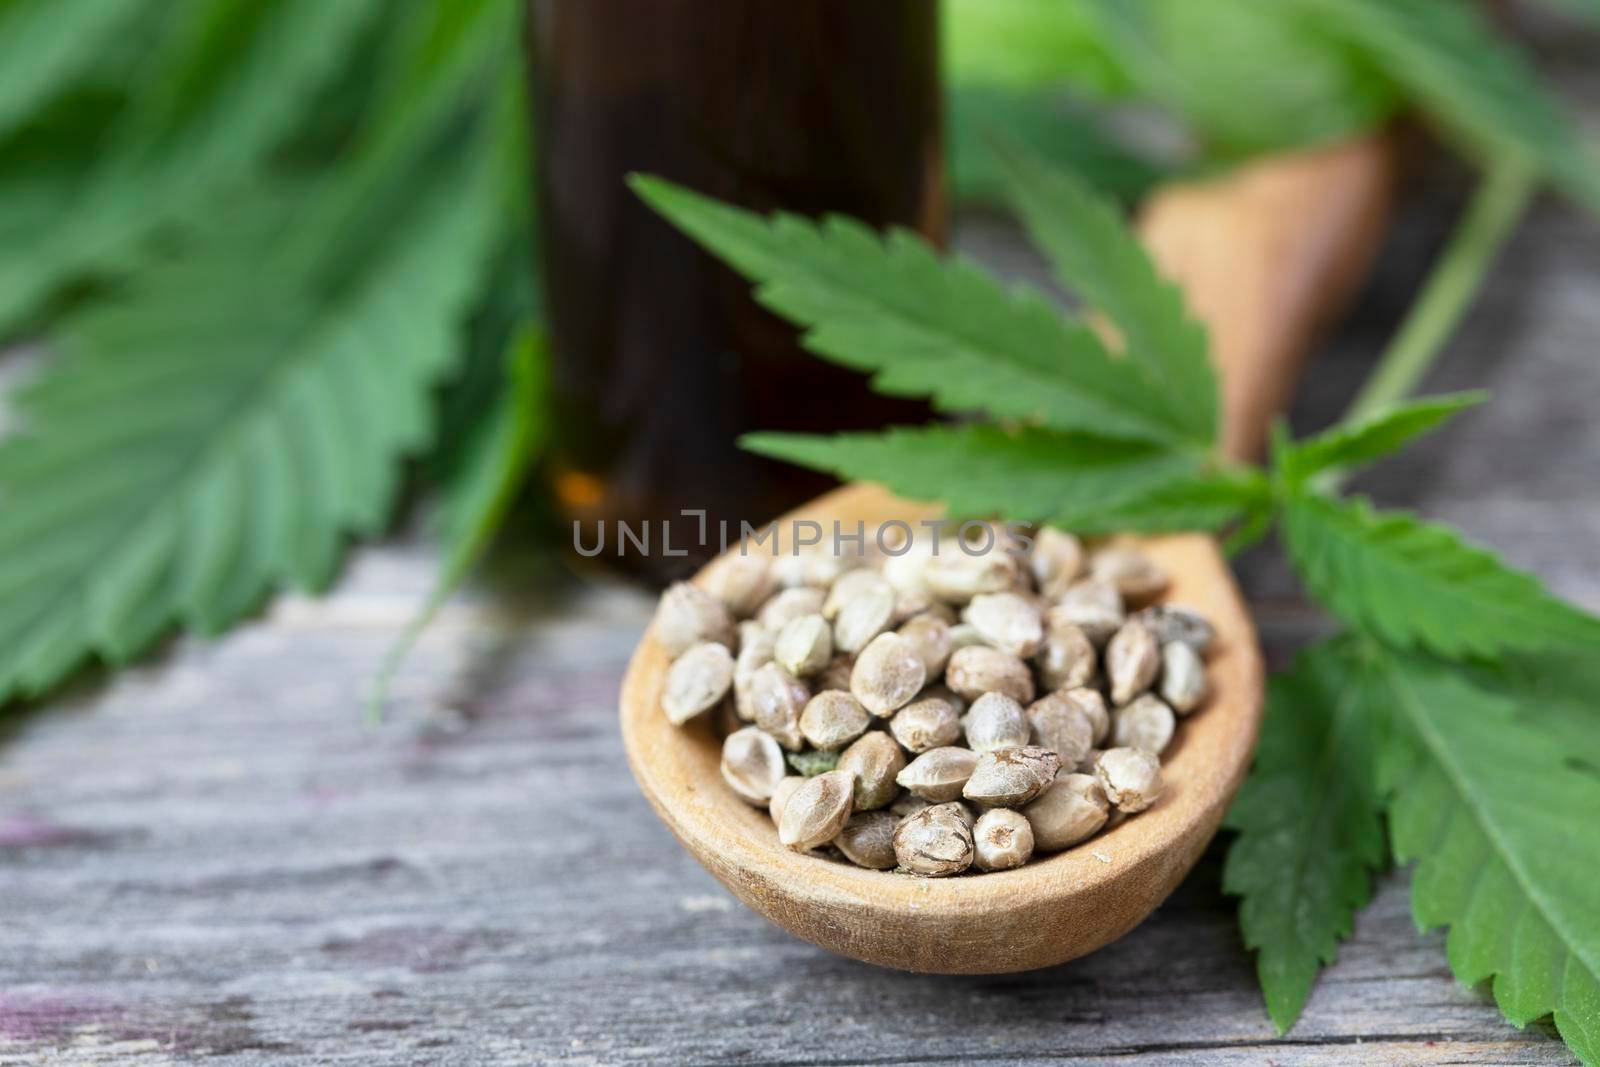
x=1310 y=830
x=1415 y=584
x=1096 y=257
x=1469 y=80
x=492 y=467
x=1089 y=484
x=813 y=762
x=1059 y=134
x=925 y=326
x=1352 y=444
x=1504 y=834
x=1027 y=44
x=200 y=442
x=48 y=45
x=228 y=84
x=1245 y=76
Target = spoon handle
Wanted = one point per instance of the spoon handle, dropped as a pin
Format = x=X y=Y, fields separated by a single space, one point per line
x=1267 y=255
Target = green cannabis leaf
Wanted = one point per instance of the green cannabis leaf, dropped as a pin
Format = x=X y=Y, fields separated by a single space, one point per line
x=1506 y=844
x=232 y=77
x=1095 y=257
x=47 y=45
x=1360 y=441
x=223 y=477
x=1416 y=584
x=1246 y=76
x=1079 y=482
x=1058 y=133
x=1309 y=823
x=1027 y=44
x=1469 y=80
x=493 y=466
x=927 y=327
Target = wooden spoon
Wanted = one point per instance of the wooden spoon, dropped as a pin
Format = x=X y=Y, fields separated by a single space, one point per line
x=1050 y=910
x=1059 y=907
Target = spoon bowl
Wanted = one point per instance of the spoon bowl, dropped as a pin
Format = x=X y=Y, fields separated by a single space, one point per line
x=1053 y=909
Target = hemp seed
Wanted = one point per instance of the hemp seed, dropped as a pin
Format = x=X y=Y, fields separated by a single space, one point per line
x=874 y=763
x=1059 y=723
x=867 y=840
x=1172 y=622
x=863 y=617
x=781 y=794
x=1136 y=575
x=939 y=774
x=1011 y=777
x=752 y=764
x=1131 y=778
x=935 y=842
x=888 y=673
x=1067 y=659
x=789 y=605
x=995 y=721
x=777 y=698
x=696 y=681
x=1072 y=809
x=1183 y=676
x=930 y=636
x=741 y=580
x=687 y=616
x=978 y=669
x=1006 y=621
x=1001 y=840
x=816 y=812
x=1146 y=723
x=1093 y=605
x=832 y=719
x=1056 y=560
x=804 y=646
x=926 y=723
x=1093 y=705
x=1132 y=661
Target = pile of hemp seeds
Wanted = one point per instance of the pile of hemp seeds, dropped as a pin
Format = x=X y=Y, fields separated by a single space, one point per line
x=938 y=712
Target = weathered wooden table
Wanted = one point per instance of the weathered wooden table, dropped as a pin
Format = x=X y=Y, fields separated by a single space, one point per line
x=211 y=857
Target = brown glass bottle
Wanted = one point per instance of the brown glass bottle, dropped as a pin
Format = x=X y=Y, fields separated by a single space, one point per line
x=661 y=357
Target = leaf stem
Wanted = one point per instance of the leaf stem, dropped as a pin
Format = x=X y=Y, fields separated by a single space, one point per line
x=1496 y=208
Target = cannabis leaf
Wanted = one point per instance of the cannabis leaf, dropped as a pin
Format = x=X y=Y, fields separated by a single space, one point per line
x=1027 y=44
x=230 y=81
x=926 y=327
x=1416 y=584
x=1506 y=844
x=46 y=45
x=1054 y=131
x=1309 y=823
x=259 y=418
x=1096 y=257
x=1245 y=76
x=1470 y=80
x=493 y=467
x=1351 y=444
x=1079 y=482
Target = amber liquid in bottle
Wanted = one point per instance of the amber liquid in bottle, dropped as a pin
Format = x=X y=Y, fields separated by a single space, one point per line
x=661 y=356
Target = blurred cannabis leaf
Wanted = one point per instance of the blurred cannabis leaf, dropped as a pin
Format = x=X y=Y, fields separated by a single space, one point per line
x=286 y=212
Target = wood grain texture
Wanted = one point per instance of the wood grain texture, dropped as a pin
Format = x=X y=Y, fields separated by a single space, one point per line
x=210 y=861
x=1051 y=910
